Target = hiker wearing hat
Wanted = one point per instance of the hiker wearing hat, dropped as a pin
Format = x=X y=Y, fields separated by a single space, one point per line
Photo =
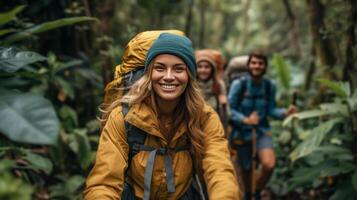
x=252 y=100
x=178 y=150
x=211 y=84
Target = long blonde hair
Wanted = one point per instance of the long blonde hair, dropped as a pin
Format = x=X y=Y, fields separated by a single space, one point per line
x=189 y=109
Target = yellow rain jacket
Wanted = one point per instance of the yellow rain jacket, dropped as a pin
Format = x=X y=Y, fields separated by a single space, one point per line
x=106 y=179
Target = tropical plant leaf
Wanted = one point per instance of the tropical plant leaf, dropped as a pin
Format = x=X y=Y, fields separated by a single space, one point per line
x=339 y=89
x=28 y=118
x=352 y=103
x=344 y=191
x=8 y=16
x=68 y=65
x=5 y=31
x=68 y=187
x=313 y=141
x=12 y=60
x=303 y=176
x=342 y=168
x=68 y=114
x=74 y=183
x=306 y=115
x=67 y=87
x=335 y=108
x=283 y=70
x=46 y=27
x=39 y=162
x=81 y=146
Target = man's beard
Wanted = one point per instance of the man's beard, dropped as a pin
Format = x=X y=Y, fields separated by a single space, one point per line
x=257 y=76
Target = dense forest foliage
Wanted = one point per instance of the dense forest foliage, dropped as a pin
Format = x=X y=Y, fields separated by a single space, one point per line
x=56 y=56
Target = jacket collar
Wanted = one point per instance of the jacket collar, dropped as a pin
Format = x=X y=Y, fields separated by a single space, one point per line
x=143 y=117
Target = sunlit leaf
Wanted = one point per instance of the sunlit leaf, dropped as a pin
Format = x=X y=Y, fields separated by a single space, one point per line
x=310 y=144
x=337 y=88
x=46 y=27
x=352 y=103
x=335 y=108
x=283 y=70
x=8 y=16
x=12 y=60
x=306 y=115
x=28 y=118
x=5 y=31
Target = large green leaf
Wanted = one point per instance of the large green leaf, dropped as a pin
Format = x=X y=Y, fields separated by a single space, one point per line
x=283 y=70
x=352 y=103
x=313 y=141
x=8 y=16
x=306 y=115
x=340 y=89
x=335 y=108
x=46 y=27
x=303 y=176
x=28 y=118
x=12 y=60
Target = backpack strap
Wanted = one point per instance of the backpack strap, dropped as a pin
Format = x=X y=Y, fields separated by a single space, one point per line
x=243 y=89
x=136 y=139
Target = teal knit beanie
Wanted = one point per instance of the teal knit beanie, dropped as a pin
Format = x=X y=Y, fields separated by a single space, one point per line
x=177 y=45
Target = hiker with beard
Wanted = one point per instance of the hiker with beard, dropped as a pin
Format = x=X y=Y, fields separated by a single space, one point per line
x=252 y=100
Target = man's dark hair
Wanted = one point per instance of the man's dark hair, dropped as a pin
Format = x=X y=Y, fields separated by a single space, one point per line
x=258 y=54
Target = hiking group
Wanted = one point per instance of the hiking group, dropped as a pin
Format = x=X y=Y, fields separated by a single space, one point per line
x=167 y=120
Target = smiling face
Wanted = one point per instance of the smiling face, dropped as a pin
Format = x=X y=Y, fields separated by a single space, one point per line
x=204 y=70
x=256 y=67
x=169 y=78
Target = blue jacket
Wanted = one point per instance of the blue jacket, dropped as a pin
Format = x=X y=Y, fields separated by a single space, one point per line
x=255 y=98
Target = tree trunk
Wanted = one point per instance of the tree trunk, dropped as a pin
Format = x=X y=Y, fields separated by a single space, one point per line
x=105 y=12
x=189 y=18
x=322 y=45
x=294 y=28
x=245 y=26
x=311 y=71
x=349 y=67
x=203 y=7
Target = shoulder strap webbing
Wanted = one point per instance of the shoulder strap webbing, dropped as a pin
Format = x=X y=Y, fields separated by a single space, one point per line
x=136 y=139
x=242 y=90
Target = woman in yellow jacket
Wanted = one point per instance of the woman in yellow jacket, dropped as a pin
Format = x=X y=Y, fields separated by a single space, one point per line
x=183 y=136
